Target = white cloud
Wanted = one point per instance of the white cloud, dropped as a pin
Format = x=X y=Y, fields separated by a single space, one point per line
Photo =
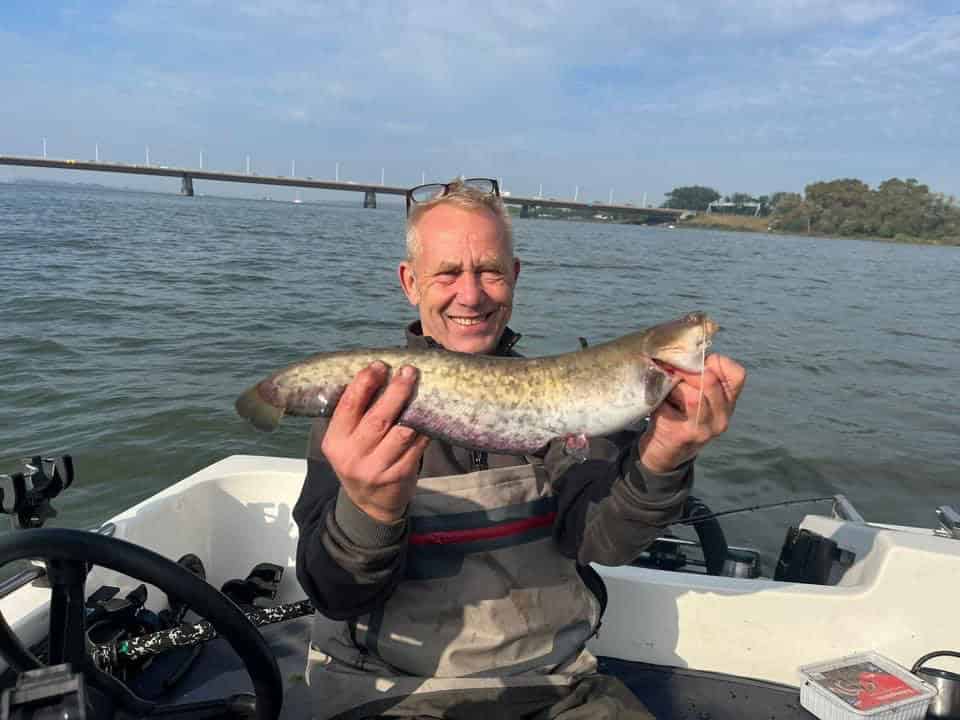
x=518 y=86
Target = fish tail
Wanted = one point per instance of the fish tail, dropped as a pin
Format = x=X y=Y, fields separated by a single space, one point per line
x=252 y=406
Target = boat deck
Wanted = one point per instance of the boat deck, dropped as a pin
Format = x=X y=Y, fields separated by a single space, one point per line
x=672 y=693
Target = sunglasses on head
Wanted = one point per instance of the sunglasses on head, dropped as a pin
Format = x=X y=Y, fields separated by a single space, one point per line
x=432 y=191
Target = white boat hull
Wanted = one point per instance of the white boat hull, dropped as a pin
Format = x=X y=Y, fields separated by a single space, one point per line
x=897 y=598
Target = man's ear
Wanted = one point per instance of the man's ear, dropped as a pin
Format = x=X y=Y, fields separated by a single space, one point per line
x=408 y=281
x=516 y=269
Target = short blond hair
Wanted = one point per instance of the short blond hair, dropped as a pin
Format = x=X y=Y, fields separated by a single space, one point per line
x=462 y=196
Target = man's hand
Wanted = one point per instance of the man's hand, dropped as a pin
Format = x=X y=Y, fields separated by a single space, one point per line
x=375 y=459
x=676 y=434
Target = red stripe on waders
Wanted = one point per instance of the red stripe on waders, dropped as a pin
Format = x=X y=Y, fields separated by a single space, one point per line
x=448 y=537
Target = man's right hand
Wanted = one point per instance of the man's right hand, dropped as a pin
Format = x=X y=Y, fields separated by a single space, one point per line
x=375 y=459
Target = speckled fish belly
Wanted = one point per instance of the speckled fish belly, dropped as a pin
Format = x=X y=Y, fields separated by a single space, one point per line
x=497 y=404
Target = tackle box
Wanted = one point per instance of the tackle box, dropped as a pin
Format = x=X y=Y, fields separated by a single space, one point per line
x=866 y=685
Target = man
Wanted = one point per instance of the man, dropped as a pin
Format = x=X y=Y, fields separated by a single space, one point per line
x=456 y=583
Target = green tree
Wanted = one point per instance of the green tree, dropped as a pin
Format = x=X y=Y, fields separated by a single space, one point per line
x=691 y=197
x=776 y=197
x=900 y=209
x=792 y=214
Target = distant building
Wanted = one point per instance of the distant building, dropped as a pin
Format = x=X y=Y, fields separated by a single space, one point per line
x=730 y=208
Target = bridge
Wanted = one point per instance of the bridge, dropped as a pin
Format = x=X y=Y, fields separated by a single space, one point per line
x=188 y=175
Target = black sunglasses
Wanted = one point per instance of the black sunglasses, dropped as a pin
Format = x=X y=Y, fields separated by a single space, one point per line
x=432 y=191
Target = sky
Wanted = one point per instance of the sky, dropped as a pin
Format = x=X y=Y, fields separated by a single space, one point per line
x=635 y=98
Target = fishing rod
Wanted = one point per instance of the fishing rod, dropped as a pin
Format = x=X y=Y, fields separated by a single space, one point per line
x=114 y=654
x=765 y=506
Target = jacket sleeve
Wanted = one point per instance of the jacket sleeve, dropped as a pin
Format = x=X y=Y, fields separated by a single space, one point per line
x=347 y=562
x=611 y=508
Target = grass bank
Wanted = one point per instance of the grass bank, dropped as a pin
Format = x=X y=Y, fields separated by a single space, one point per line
x=713 y=221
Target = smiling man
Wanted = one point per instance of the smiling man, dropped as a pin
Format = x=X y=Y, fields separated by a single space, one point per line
x=462 y=280
x=455 y=583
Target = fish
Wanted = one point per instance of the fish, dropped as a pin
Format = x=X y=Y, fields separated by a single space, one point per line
x=505 y=405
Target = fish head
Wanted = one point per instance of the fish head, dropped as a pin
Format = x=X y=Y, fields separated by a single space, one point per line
x=681 y=343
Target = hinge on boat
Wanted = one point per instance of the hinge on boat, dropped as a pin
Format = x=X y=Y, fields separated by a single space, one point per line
x=949 y=521
x=479 y=460
x=843 y=509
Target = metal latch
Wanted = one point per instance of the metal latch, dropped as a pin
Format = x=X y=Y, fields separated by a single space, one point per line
x=949 y=521
x=49 y=692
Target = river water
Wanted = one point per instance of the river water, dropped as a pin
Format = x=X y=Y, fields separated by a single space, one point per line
x=129 y=322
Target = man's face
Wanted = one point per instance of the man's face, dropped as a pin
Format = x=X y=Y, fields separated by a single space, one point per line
x=462 y=279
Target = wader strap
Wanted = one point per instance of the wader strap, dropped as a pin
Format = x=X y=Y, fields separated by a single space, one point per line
x=352 y=630
x=591 y=578
x=373 y=631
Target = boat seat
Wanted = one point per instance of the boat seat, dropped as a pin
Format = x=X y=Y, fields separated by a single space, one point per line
x=218 y=672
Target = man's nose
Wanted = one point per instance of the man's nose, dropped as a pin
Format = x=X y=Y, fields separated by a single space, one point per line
x=470 y=290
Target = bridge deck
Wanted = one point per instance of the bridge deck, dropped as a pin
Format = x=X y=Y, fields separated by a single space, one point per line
x=298 y=182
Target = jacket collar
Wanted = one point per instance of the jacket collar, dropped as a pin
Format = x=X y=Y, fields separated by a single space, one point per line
x=416 y=339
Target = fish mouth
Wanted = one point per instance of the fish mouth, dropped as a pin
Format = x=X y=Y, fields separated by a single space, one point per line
x=681 y=345
x=666 y=367
x=684 y=359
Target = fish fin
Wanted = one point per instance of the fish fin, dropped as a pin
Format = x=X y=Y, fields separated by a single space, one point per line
x=577 y=447
x=258 y=411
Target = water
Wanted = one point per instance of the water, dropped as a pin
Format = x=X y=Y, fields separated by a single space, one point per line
x=129 y=322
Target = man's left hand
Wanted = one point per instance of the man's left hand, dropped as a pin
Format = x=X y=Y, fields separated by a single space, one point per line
x=686 y=421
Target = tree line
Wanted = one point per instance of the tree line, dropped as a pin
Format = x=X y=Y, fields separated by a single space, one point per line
x=903 y=210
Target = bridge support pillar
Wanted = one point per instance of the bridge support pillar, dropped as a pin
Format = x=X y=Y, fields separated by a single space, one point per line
x=186 y=186
x=369 y=199
x=524 y=210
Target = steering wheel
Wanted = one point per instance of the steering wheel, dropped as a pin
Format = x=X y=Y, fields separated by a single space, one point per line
x=67 y=554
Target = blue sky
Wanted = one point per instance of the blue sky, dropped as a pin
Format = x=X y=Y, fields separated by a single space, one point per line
x=743 y=95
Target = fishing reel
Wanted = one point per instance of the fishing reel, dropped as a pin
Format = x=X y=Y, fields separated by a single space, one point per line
x=40 y=480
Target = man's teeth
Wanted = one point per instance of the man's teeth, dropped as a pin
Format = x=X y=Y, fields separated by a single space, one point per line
x=469 y=321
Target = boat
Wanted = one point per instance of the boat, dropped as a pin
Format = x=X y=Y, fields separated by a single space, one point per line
x=693 y=627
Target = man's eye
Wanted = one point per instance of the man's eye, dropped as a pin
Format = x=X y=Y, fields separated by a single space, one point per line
x=491 y=275
x=445 y=276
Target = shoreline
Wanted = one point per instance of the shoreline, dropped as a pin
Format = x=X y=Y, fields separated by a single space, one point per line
x=761 y=225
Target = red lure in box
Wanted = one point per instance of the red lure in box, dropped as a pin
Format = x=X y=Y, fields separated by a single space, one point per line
x=866 y=686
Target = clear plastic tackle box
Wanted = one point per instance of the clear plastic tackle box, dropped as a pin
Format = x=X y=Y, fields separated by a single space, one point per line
x=866 y=685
